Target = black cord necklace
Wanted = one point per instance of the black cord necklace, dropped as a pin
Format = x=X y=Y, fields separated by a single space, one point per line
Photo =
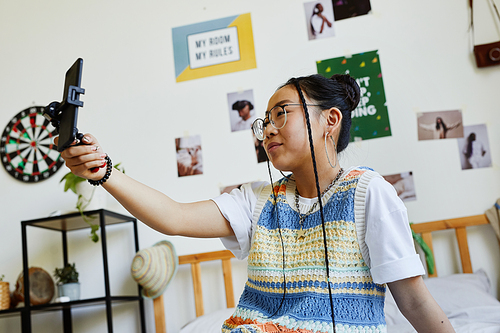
x=311 y=146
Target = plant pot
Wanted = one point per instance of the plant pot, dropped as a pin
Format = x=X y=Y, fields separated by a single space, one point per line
x=71 y=290
x=91 y=197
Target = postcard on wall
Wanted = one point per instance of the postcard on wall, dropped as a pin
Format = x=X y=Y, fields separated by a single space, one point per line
x=403 y=184
x=319 y=19
x=189 y=157
x=440 y=125
x=228 y=189
x=214 y=47
x=260 y=152
x=241 y=110
x=474 y=147
x=370 y=119
x=350 y=8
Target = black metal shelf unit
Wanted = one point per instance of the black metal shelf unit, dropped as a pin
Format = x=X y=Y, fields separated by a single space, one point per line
x=64 y=224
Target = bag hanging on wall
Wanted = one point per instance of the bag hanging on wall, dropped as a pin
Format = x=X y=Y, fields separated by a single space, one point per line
x=486 y=54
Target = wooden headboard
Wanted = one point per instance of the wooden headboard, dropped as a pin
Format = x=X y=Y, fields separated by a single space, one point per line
x=425 y=229
x=459 y=224
x=195 y=259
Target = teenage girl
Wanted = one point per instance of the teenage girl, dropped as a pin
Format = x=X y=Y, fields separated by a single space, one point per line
x=314 y=265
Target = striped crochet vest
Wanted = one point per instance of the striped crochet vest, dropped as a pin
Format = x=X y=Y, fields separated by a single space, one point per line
x=358 y=301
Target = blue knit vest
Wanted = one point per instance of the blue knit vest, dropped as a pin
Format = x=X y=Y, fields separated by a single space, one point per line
x=302 y=304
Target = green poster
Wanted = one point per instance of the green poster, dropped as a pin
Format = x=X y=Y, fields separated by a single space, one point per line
x=370 y=119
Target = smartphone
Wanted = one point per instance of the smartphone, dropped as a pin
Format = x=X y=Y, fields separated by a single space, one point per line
x=68 y=108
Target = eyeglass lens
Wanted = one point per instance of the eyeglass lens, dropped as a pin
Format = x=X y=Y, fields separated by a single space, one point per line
x=277 y=118
x=258 y=128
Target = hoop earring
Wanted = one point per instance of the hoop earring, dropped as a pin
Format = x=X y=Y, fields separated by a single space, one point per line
x=326 y=151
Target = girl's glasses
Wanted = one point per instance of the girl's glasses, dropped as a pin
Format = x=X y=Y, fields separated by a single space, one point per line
x=276 y=116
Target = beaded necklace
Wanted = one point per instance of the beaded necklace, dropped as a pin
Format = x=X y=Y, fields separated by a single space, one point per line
x=302 y=217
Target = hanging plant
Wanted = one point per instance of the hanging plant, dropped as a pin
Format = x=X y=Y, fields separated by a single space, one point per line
x=70 y=183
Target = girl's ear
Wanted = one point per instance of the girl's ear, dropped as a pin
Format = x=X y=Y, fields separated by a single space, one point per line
x=333 y=120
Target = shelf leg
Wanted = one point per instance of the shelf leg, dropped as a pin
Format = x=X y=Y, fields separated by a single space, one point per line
x=26 y=313
x=68 y=327
x=107 y=289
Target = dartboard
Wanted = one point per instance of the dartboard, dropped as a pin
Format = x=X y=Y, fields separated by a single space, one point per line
x=27 y=149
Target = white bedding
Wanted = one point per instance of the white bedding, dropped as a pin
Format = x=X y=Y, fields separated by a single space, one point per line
x=465 y=299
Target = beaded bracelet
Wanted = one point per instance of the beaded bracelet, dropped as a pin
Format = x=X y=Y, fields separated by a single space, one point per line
x=109 y=168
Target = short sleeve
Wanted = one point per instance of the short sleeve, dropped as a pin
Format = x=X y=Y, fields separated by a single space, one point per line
x=237 y=207
x=391 y=254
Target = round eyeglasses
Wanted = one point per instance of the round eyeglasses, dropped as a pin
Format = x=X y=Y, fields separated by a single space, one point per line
x=276 y=116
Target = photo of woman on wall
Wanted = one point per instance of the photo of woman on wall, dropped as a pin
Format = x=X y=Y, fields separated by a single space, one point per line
x=440 y=125
x=319 y=17
x=474 y=148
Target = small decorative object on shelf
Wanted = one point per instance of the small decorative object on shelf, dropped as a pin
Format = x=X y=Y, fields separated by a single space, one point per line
x=4 y=294
x=41 y=287
x=67 y=282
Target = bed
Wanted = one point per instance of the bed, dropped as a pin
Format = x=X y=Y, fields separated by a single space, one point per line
x=465 y=297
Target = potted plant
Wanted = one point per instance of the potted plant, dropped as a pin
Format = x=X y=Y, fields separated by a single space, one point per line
x=67 y=282
x=76 y=184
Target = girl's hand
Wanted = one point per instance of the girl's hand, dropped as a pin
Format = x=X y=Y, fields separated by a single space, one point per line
x=82 y=159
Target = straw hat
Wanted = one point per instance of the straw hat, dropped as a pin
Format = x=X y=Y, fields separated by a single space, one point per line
x=493 y=215
x=154 y=267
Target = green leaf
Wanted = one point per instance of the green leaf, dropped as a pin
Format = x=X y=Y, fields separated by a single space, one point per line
x=67 y=274
x=429 y=257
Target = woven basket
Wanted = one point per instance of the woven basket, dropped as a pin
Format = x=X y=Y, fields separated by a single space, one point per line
x=4 y=295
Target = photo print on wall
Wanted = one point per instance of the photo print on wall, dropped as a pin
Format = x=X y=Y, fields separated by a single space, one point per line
x=474 y=148
x=189 y=157
x=370 y=119
x=344 y=9
x=241 y=110
x=228 y=189
x=319 y=19
x=440 y=125
x=214 y=47
x=259 y=149
x=403 y=184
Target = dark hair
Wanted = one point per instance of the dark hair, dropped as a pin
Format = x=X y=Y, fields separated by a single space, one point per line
x=238 y=105
x=445 y=129
x=470 y=139
x=340 y=91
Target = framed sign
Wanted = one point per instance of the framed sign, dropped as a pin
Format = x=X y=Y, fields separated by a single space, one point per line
x=214 y=47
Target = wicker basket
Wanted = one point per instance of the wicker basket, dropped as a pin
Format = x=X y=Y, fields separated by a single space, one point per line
x=4 y=295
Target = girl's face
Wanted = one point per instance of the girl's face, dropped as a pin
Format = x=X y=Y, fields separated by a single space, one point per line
x=288 y=147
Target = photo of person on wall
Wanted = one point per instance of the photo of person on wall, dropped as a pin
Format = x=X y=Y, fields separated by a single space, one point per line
x=403 y=184
x=259 y=150
x=440 y=125
x=350 y=8
x=319 y=18
x=474 y=148
x=189 y=157
x=241 y=111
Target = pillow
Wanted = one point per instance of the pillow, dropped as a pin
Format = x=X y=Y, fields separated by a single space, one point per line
x=452 y=293
x=209 y=323
x=459 y=291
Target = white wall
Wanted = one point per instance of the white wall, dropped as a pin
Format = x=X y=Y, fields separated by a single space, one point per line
x=136 y=109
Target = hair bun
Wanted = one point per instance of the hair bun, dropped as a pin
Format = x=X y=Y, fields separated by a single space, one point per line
x=351 y=88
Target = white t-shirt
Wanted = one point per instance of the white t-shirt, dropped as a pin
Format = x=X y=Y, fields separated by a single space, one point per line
x=388 y=245
x=243 y=124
